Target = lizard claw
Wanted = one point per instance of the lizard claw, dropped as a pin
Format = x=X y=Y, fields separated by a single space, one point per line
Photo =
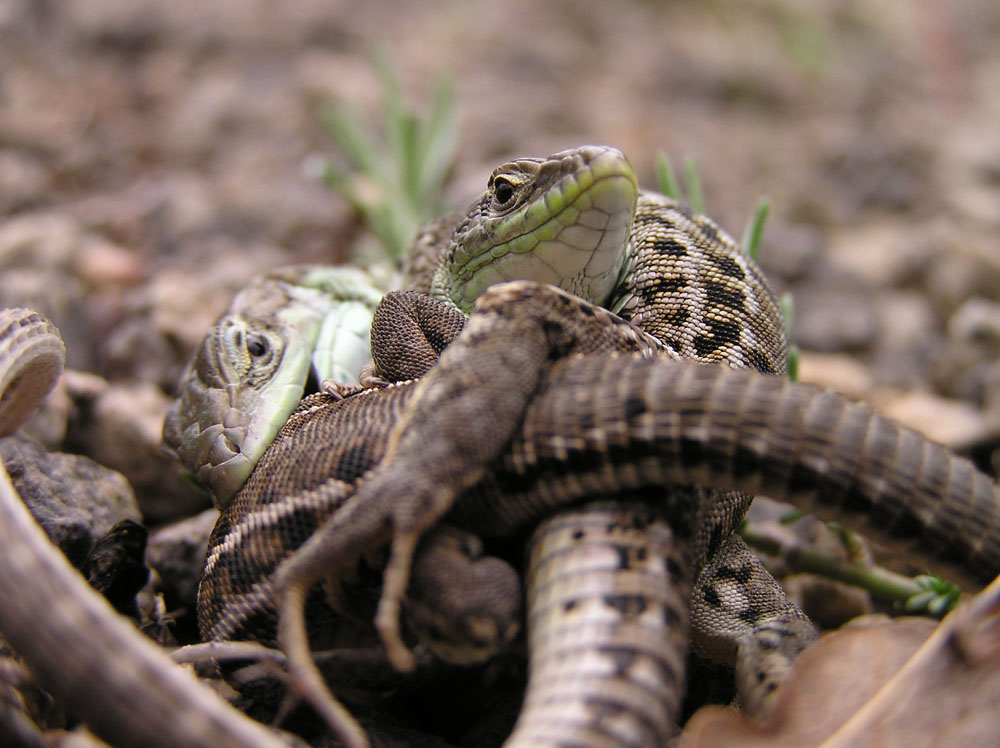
x=369 y=379
x=337 y=390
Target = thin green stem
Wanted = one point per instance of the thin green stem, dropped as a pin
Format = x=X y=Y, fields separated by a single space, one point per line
x=920 y=594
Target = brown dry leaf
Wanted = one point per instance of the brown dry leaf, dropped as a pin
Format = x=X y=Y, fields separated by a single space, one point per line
x=882 y=682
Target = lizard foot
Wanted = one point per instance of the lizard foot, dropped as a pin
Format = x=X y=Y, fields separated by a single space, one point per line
x=764 y=660
x=337 y=390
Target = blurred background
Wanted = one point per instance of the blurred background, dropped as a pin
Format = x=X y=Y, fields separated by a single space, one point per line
x=156 y=155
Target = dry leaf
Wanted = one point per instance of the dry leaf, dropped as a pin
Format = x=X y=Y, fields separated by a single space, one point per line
x=882 y=682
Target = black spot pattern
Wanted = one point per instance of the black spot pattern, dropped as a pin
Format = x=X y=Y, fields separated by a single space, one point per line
x=628 y=606
x=669 y=247
x=720 y=334
x=750 y=614
x=722 y=295
x=741 y=574
x=661 y=287
x=436 y=339
x=709 y=232
x=727 y=266
x=711 y=596
x=677 y=317
x=759 y=361
x=353 y=463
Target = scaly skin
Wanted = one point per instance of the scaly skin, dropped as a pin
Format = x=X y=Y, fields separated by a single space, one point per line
x=672 y=273
x=564 y=220
x=687 y=283
x=251 y=371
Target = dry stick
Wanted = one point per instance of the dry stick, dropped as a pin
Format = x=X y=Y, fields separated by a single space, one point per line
x=91 y=659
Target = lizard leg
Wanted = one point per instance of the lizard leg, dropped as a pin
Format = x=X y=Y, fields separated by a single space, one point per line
x=741 y=617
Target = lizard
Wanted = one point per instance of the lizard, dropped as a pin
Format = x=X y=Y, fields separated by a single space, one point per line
x=680 y=278
x=242 y=384
x=588 y=202
x=720 y=327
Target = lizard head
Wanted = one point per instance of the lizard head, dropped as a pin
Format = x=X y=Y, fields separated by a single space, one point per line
x=563 y=220
x=286 y=329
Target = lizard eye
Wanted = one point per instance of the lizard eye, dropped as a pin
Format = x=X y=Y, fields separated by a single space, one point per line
x=503 y=191
x=257 y=345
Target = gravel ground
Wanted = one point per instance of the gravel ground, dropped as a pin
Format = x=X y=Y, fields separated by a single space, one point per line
x=151 y=162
